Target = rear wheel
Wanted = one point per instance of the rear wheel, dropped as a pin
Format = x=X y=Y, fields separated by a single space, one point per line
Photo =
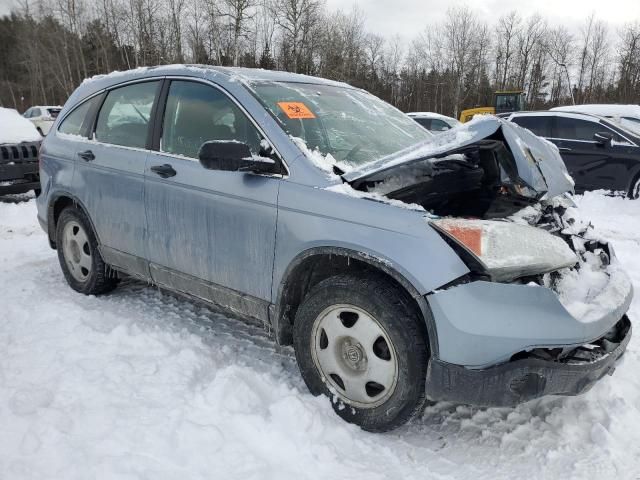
x=359 y=341
x=83 y=267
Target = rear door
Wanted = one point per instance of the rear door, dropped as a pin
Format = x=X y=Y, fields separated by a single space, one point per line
x=210 y=233
x=110 y=173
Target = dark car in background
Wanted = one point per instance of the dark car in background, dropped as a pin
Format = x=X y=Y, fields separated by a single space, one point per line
x=598 y=153
x=19 y=144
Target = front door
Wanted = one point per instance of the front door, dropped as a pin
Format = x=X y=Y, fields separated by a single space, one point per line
x=210 y=233
x=587 y=160
x=110 y=174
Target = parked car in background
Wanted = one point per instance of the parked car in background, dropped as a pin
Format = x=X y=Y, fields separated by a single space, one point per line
x=19 y=144
x=42 y=117
x=434 y=122
x=401 y=266
x=598 y=153
x=627 y=116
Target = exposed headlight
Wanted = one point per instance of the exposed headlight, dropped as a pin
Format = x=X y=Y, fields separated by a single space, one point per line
x=508 y=250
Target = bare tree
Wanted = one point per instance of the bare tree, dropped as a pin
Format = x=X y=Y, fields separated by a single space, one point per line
x=508 y=31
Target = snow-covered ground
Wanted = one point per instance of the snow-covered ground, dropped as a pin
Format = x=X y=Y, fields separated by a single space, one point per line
x=141 y=385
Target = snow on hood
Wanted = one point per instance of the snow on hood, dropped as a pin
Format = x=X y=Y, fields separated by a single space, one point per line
x=538 y=161
x=14 y=128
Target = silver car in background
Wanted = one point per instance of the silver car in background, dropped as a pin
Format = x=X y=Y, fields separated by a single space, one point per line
x=402 y=266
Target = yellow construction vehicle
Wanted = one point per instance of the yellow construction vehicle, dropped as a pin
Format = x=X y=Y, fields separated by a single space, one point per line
x=504 y=101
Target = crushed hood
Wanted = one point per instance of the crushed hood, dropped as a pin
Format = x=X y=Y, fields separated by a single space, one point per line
x=537 y=162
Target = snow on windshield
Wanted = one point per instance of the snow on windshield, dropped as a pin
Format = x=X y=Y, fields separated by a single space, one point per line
x=14 y=128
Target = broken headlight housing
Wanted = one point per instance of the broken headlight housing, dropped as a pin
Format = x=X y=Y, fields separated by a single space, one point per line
x=507 y=250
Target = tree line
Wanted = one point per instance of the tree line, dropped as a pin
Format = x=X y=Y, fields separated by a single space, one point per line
x=47 y=47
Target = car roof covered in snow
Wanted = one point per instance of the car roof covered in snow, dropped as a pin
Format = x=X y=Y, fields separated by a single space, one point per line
x=554 y=113
x=430 y=115
x=239 y=74
x=607 y=110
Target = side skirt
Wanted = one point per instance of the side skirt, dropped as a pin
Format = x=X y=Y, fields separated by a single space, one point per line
x=235 y=302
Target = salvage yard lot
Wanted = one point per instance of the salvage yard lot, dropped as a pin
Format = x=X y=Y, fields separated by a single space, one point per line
x=139 y=384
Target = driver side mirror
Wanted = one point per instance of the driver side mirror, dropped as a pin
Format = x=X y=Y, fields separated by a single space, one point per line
x=231 y=156
x=603 y=138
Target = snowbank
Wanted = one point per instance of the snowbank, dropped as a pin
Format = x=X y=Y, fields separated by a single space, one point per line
x=139 y=385
x=14 y=128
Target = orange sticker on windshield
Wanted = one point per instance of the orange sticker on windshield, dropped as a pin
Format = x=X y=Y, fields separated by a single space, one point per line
x=296 y=110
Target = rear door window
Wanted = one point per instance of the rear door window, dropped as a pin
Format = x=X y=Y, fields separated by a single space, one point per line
x=197 y=113
x=125 y=115
x=539 y=125
x=53 y=112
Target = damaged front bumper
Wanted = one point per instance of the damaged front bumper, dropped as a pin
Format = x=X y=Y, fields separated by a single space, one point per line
x=503 y=344
x=530 y=375
x=554 y=333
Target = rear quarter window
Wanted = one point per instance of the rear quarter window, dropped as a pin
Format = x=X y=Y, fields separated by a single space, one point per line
x=74 y=122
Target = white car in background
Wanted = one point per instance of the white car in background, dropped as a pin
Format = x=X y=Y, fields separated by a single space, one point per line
x=434 y=122
x=627 y=116
x=42 y=117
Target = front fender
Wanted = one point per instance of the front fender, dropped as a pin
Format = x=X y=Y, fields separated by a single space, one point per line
x=397 y=237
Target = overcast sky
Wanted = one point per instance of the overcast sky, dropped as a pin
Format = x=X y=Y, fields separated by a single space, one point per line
x=407 y=17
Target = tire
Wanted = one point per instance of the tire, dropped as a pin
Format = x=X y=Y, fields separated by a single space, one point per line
x=334 y=332
x=634 y=191
x=40 y=131
x=80 y=260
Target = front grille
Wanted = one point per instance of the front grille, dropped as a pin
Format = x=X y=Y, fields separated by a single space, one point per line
x=26 y=152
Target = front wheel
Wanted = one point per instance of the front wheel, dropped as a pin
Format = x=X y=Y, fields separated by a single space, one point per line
x=81 y=262
x=634 y=191
x=359 y=341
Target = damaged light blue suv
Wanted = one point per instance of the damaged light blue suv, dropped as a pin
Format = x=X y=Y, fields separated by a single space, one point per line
x=401 y=266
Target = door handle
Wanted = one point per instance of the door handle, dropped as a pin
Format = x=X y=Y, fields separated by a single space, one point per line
x=564 y=149
x=87 y=155
x=164 y=171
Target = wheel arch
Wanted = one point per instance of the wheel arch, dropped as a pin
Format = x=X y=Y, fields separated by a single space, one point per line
x=316 y=264
x=57 y=203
